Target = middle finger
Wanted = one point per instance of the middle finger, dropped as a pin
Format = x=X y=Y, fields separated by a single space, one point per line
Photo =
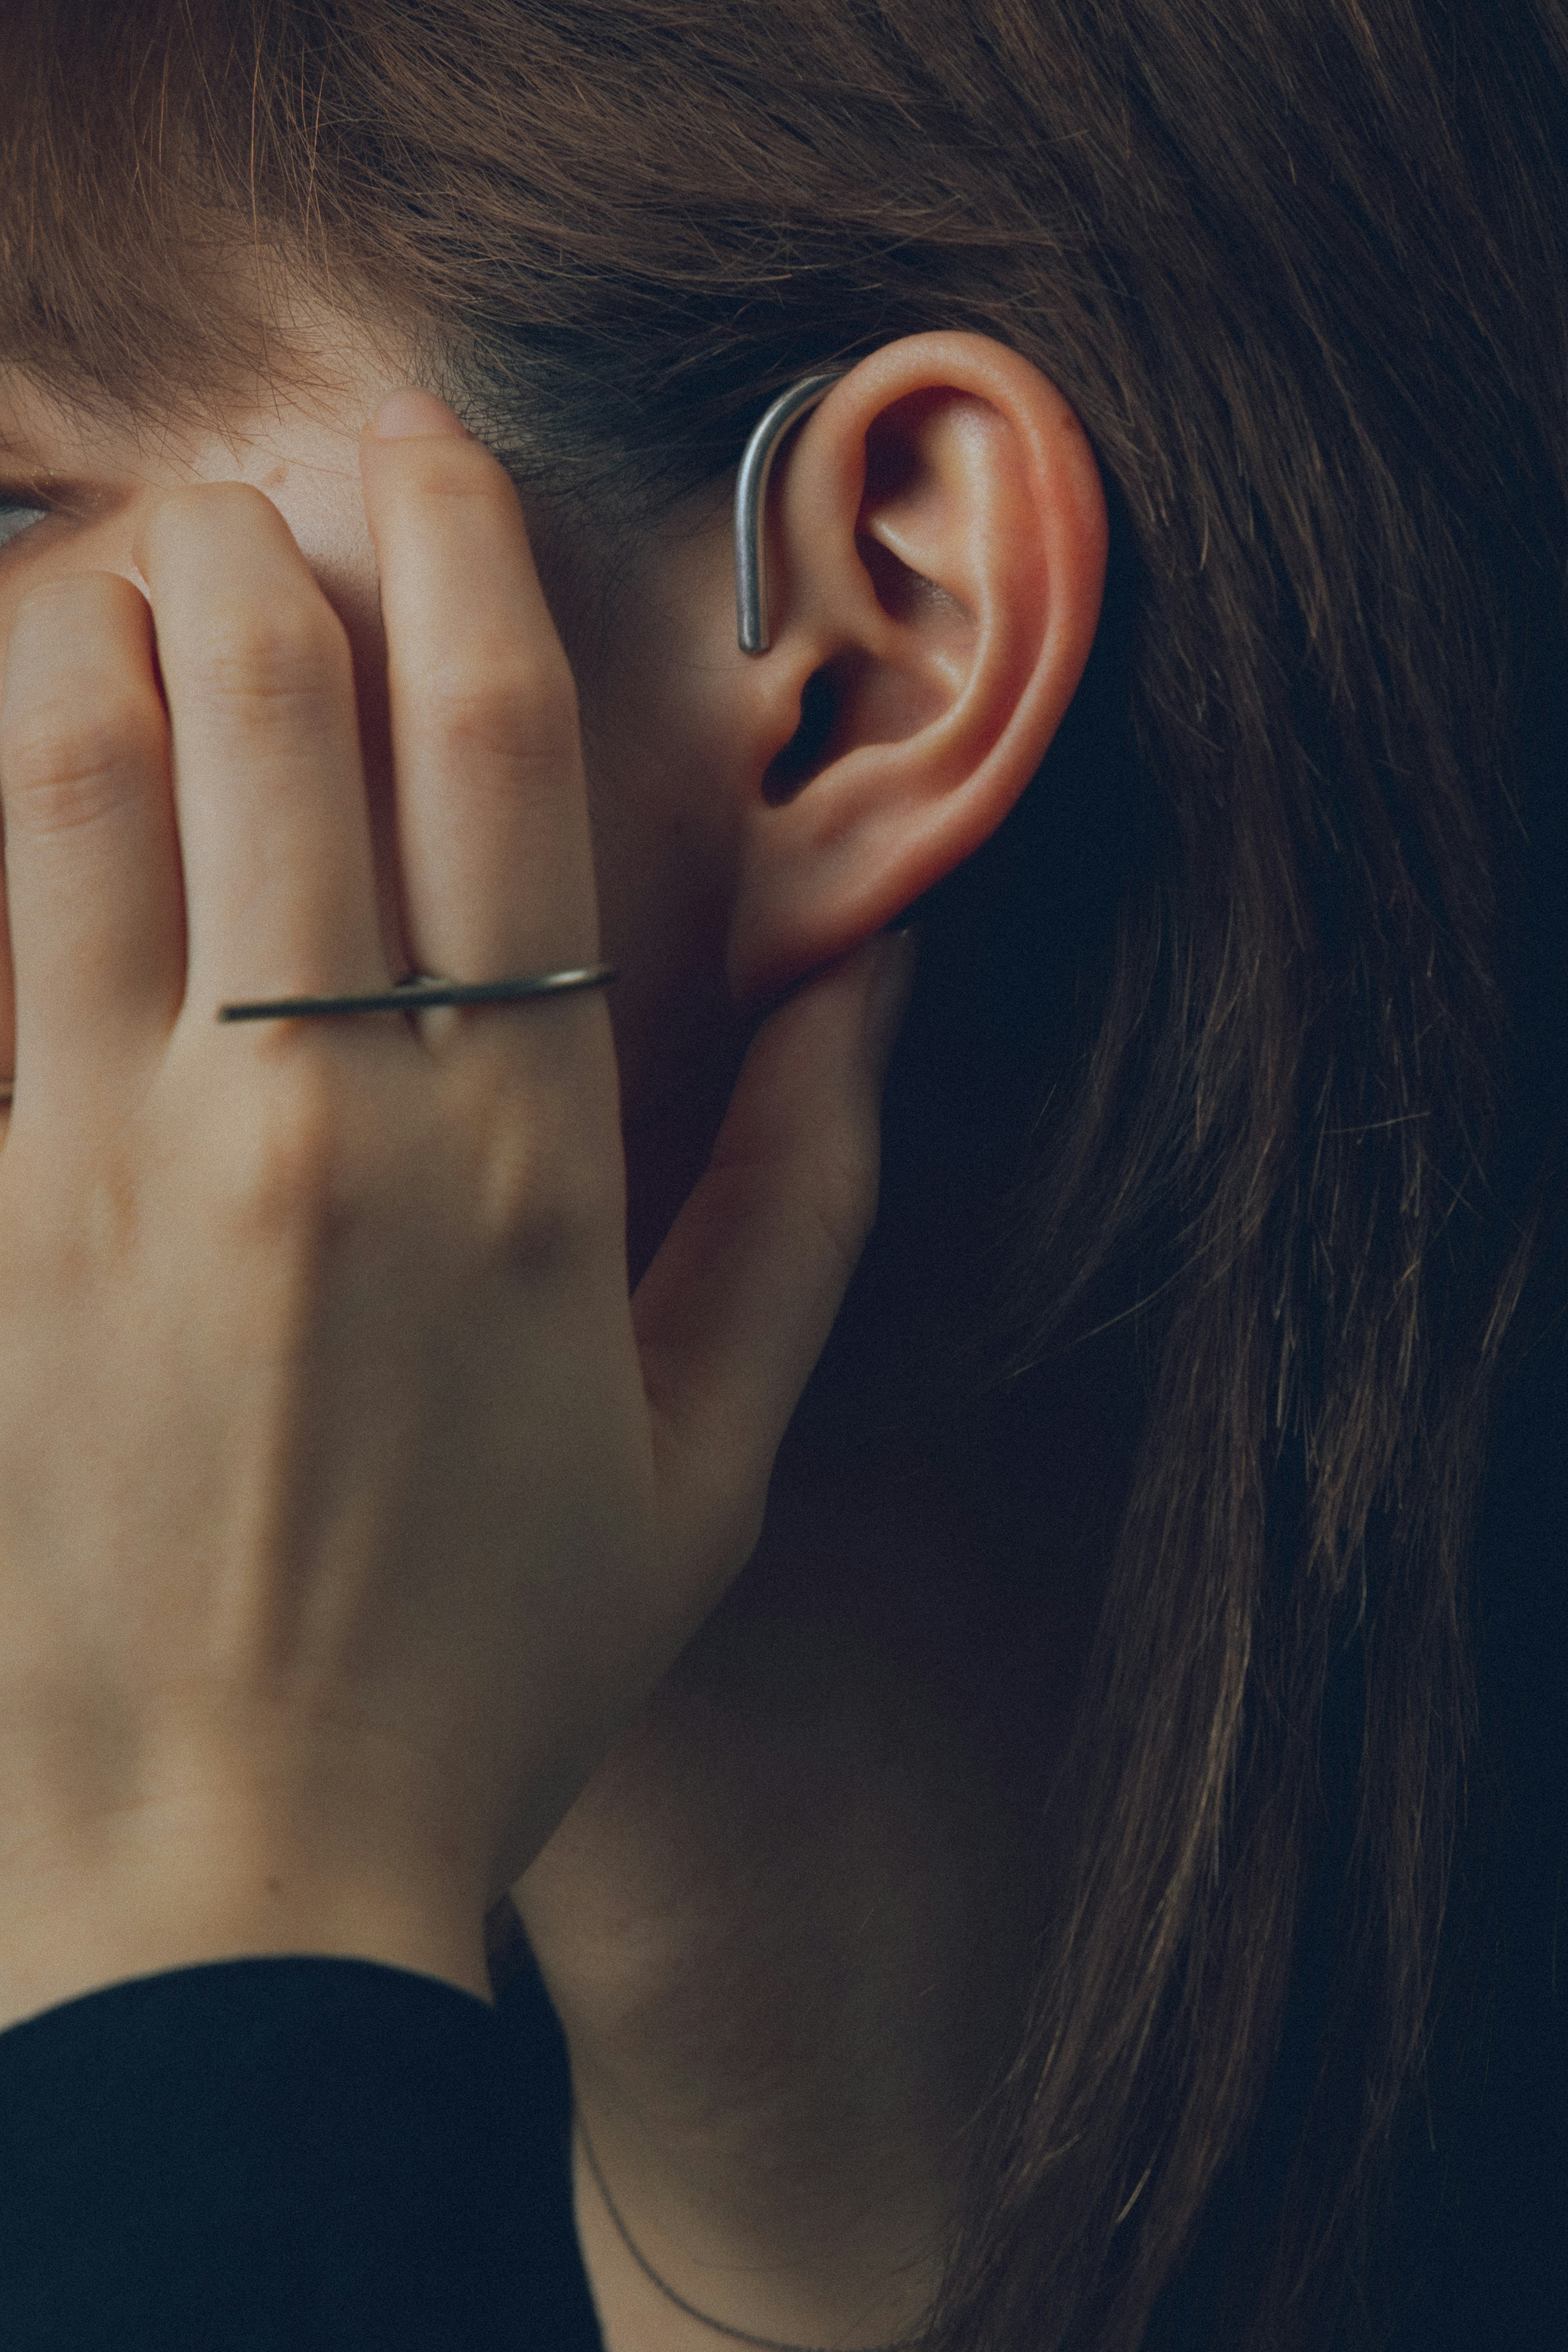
x=268 y=782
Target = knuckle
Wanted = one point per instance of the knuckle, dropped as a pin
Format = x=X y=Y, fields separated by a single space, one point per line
x=220 y=507
x=443 y=465
x=561 y=1213
x=285 y=661
x=512 y=705
x=51 y=605
x=540 y=1198
x=66 y=766
x=294 y=1177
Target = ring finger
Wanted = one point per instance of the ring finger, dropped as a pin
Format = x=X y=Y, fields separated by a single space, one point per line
x=493 y=830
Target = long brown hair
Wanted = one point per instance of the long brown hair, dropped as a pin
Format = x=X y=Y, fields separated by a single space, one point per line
x=1211 y=1045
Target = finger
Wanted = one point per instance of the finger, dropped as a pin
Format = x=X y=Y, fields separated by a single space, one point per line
x=93 y=859
x=268 y=783
x=734 y=1310
x=492 y=826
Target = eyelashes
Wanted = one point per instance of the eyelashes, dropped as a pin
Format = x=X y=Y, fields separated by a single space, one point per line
x=16 y=517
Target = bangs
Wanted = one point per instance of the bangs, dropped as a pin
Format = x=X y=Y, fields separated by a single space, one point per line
x=160 y=244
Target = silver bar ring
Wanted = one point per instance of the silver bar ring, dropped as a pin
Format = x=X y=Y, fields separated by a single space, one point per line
x=424 y=992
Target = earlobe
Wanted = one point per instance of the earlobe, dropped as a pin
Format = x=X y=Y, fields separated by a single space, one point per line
x=936 y=552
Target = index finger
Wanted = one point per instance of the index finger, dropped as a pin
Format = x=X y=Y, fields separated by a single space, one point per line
x=492 y=812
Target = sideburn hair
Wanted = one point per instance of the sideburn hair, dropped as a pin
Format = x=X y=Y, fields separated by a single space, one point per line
x=1211 y=1049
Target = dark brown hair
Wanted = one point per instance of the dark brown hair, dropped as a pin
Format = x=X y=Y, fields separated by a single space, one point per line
x=1211 y=1044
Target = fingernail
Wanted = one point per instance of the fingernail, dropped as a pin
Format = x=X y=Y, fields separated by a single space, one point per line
x=403 y=414
x=888 y=998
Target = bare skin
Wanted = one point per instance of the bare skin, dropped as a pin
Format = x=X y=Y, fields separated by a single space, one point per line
x=785 y=1923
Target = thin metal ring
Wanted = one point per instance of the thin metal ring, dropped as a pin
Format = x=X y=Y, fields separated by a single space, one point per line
x=751 y=501
x=424 y=992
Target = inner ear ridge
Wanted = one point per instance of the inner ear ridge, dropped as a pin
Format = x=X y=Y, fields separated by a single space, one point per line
x=905 y=595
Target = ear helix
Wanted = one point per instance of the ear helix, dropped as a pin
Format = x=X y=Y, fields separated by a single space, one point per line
x=751 y=500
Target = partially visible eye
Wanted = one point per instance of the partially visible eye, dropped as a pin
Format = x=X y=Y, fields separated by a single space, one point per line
x=16 y=517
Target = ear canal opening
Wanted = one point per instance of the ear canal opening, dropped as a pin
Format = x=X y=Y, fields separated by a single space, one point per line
x=802 y=755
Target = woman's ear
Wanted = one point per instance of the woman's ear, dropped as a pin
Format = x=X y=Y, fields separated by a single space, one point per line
x=936 y=544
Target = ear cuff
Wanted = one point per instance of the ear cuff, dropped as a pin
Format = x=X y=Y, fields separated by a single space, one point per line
x=751 y=503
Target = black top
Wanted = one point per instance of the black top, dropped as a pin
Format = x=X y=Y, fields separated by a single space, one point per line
x=278 y=2154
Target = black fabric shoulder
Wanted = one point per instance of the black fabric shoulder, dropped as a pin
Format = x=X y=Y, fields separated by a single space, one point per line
x=276 y=2154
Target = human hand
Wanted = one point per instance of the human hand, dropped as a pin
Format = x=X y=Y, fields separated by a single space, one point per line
x=349 y=1508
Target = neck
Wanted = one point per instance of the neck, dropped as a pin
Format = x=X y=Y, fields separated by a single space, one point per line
x=788 y=1926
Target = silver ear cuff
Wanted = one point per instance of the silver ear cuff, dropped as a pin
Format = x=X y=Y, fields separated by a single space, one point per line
x=751 y=503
